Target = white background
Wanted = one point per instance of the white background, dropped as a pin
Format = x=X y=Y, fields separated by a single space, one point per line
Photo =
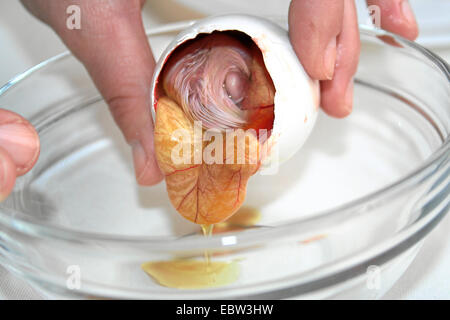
x=24 y=41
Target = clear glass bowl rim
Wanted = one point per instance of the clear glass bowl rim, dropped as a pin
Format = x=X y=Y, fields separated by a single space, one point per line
x=324 y=218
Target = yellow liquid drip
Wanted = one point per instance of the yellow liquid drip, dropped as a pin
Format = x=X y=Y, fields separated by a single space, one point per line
x=207 y=230
x=193 y=274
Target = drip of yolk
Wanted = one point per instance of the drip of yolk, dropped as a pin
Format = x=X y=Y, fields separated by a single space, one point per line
x=198 y=274
x=207 y=230
x=193 y=274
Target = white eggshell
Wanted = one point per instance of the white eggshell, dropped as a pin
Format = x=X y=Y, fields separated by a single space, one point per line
x=297 y=97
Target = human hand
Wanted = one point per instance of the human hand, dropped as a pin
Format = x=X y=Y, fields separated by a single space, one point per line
x=19 y=149
x=324 y=34
x=113 y=47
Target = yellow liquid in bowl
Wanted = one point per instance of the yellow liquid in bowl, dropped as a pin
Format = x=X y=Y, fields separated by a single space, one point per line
x=199 y=274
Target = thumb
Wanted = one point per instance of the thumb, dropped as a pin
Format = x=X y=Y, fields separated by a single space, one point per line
x=19 y=140
x=19 y=149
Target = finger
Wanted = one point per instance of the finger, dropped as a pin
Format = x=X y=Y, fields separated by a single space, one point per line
x=337 y=94
x=313 y=30
x=114 y=48
x=19 y=139
x=7 y=174
x=397 y=17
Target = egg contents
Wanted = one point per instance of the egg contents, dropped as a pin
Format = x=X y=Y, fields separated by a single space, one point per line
x=219 y=82
x=229 y=96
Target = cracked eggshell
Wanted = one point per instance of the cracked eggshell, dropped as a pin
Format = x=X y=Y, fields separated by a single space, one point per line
x=297 y=96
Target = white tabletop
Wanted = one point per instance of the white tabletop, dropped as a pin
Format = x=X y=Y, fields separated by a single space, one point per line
x=24 y=42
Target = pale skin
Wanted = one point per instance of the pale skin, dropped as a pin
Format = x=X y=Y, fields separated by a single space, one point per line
x=114 y=49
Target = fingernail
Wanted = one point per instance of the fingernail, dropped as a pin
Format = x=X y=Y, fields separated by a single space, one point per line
x=349 y=96
x=21 y=142
x=407 y=12
x=330 y=59
x=139 y=157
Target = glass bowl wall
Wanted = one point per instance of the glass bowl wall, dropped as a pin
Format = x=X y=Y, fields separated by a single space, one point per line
x=354 y=203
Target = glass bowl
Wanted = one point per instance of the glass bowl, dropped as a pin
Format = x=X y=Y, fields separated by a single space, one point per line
x=342 y=219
